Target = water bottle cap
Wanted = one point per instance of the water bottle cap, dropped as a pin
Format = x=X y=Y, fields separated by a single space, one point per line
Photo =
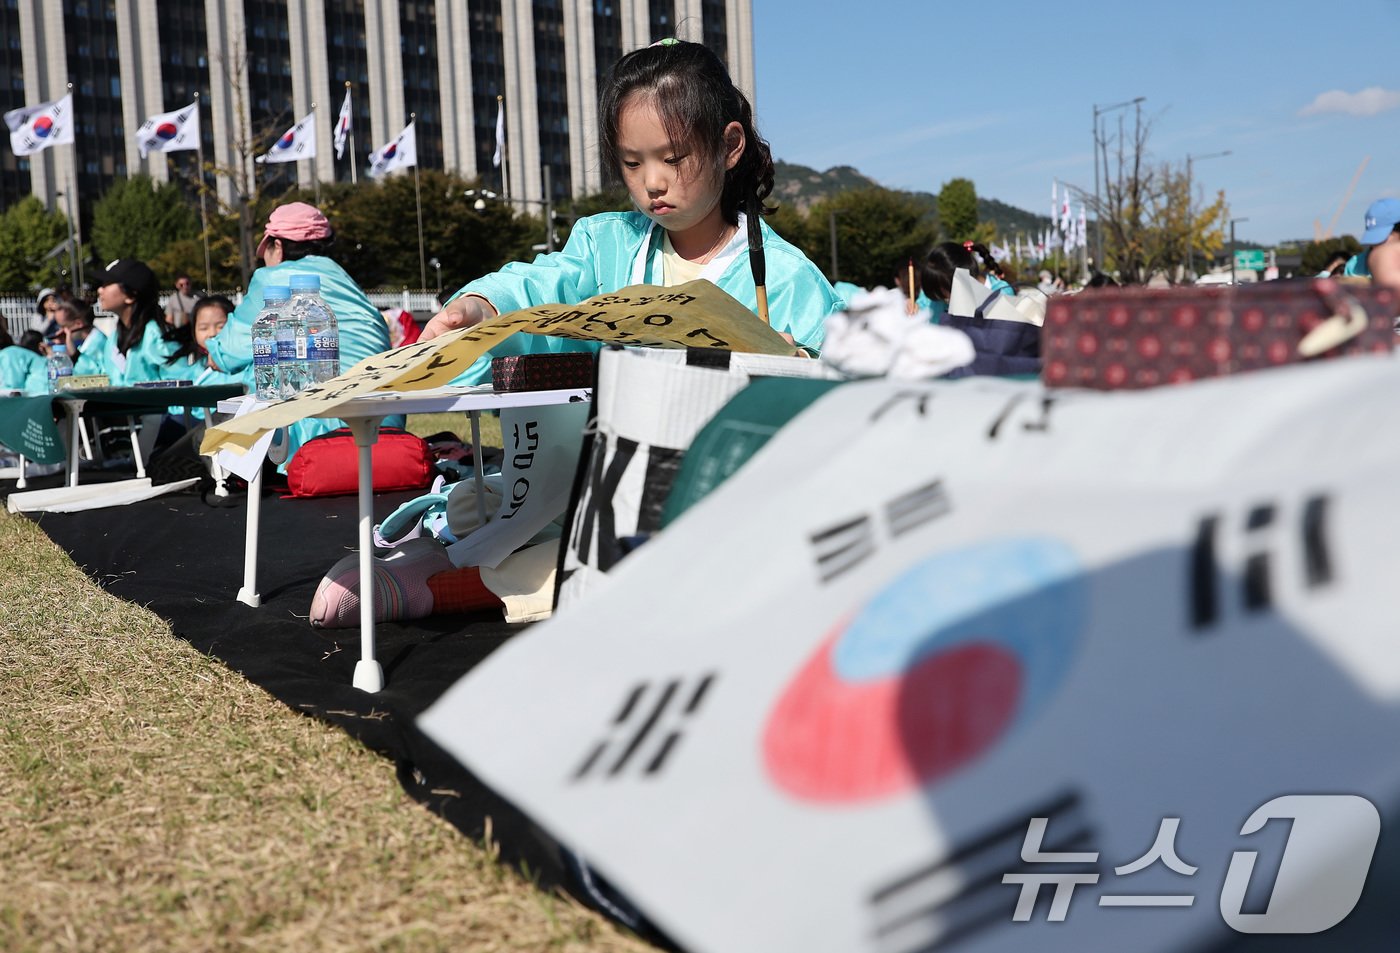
x=305 y=282
x=276 y=293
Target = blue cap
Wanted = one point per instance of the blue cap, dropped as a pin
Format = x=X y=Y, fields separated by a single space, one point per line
x=305 y=282
x=1381 y=219
x=276 y=293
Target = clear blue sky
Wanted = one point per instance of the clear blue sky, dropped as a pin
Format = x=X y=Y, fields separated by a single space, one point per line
x=916 y=92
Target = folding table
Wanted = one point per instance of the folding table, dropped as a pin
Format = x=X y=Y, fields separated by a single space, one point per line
x=363 y=415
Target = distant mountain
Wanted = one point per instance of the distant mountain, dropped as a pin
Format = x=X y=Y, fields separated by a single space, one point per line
x=801 y=186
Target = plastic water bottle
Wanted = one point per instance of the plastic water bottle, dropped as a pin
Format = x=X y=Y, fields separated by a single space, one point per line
x=60 y=369
x=293 y=364
x=322 y=335
x=266 y=383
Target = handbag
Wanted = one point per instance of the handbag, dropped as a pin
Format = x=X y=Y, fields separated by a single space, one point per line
x=328 y=465
x=1004 y=348
x=1129 y=338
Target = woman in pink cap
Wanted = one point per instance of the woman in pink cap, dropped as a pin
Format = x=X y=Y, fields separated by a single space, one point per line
x=296 y=241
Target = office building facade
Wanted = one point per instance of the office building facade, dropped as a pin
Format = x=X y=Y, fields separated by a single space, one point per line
x=258 y=66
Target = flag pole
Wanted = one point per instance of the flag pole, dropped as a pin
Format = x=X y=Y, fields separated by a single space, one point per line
x=75 y=234
x=203 y=212
x=418 y=201
x=315 y=179
x=505 y=150
x=354 y=175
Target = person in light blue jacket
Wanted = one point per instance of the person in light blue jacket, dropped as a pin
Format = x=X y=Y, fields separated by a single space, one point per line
x=1380 y=258
x=23 y=365
x=189 y=361
x=295 y=242
x=681 y=138
x=136 y=350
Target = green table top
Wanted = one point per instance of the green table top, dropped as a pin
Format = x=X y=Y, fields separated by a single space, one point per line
x=27 y=423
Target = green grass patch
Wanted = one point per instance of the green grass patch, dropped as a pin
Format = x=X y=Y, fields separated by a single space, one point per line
x=152 y=799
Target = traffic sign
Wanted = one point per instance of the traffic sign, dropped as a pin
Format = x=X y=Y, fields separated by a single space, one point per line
x=1250 y=259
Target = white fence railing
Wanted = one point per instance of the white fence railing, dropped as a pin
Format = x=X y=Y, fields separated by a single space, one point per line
x=19 y=311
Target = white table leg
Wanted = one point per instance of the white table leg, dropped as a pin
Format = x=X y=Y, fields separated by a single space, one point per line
x=23 y=480
x=136 y=447
x=369 y=676
x=477 y=471
x=74 y=410
x=249 y=595
x=87 y=447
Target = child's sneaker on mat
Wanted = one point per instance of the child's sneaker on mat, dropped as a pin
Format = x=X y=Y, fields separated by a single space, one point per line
x=400 y=586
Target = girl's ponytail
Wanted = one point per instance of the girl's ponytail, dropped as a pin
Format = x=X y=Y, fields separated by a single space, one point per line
x=751 y=180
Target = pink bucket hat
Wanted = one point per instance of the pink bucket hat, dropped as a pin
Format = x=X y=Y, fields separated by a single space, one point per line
x=295 y=221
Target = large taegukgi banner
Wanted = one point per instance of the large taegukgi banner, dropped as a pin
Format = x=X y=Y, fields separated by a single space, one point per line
x=695 y=314
x=1005 y=663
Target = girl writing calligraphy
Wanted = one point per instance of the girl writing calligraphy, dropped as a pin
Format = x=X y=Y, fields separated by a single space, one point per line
x=681 y=138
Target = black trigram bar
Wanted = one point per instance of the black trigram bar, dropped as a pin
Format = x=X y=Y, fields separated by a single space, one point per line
x=1205 y=594
x=919 y=400
x=940 y=904
x=1261 y=562
x=647 y=728
x=1258 y=593
x=917 y=507
x=1317 y=564
x=843 y=546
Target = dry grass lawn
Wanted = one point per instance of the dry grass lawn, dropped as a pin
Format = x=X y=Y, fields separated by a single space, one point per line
x=151 y=799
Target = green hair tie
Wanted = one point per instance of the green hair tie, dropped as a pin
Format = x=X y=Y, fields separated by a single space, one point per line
x=667 y=41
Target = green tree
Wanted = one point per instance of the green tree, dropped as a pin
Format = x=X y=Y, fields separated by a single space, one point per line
x=29 y=232
x=1317 y=254
x=1151 y=222
x=1172 y=229
x=377 y=231
x=957 y=211
x=135 y=218
x=876 y=229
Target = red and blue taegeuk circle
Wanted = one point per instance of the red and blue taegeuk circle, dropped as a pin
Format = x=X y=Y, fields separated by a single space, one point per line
x=43 y=126
x=286 y=141
x=167 y=130
x=930 y=673
x=390 y=150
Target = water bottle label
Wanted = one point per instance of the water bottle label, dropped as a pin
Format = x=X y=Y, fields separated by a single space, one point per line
x=301 y=348
x=264 y=352
x=286 y=349
x=324 y=347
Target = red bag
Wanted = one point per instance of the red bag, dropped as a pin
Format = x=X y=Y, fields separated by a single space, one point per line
x=1127 y=338
x=328 y=465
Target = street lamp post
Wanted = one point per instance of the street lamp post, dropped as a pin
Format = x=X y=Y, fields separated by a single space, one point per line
x=1190 y=241
x=835 y=272
x=1232 y=247
x=1098 y=141
x=482 y=196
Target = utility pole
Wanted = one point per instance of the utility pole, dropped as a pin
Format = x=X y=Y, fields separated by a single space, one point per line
x=1190 y=197
x=1099 y=142
x=835 y=273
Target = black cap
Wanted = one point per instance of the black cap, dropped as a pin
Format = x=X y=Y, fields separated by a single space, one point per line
x=132 y=274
